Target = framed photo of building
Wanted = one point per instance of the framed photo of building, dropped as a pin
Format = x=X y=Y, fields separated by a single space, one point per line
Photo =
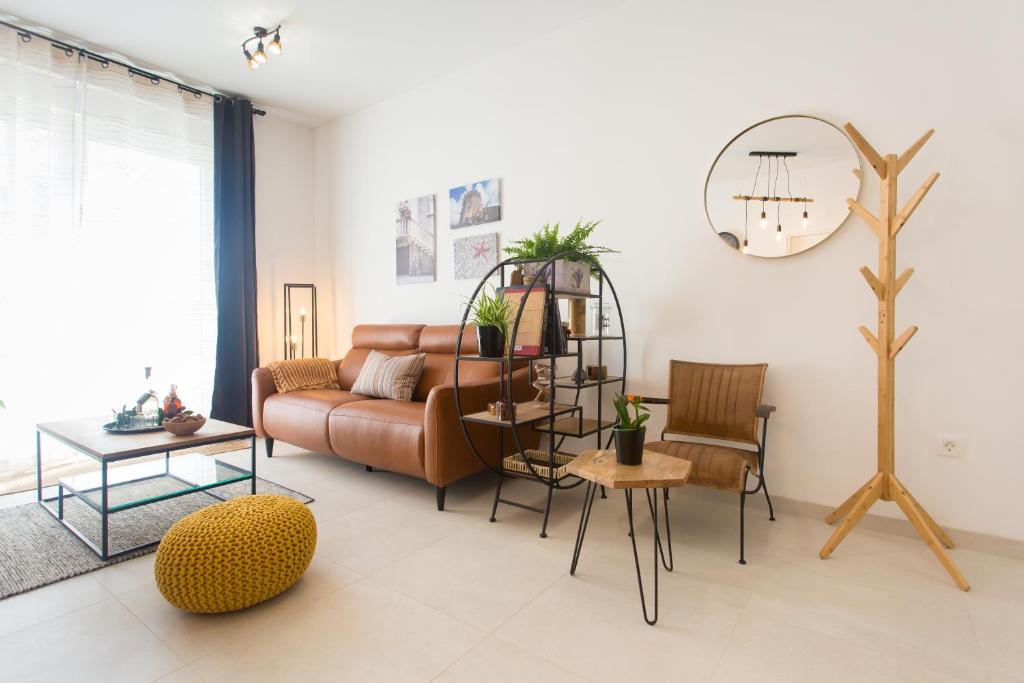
x=416 y=241
x=475 y=204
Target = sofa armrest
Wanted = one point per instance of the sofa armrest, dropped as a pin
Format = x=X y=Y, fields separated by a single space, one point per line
x=262 y=388
x=447 y=456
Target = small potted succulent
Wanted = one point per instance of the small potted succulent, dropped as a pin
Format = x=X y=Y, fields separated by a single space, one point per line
x=573 y=272
x=490 y=315
x=629 y=430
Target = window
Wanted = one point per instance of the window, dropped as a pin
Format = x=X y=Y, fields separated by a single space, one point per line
x=106 y=244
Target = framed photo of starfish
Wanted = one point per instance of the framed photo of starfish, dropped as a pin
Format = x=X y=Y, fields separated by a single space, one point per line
x=475 y=256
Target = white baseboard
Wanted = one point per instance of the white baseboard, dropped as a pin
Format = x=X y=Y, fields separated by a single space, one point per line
x=968 y=540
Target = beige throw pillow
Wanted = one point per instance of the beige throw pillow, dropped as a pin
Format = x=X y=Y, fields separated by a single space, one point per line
x=393 y=377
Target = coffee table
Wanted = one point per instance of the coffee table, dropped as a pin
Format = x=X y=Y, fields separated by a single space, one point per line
x=657 y=471
x=177 y=476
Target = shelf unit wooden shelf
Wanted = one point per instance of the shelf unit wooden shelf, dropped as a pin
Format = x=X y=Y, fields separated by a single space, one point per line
x=576 y=426
x=527 y=413
x=567 y=383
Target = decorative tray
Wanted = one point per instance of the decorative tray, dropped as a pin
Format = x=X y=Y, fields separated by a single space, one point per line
x=114 y=429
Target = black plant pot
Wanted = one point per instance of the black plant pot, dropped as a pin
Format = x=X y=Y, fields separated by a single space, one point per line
x=491 y=341
x=629 y=445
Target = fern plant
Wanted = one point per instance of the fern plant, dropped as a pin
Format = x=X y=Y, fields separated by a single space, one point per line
x=547 y=243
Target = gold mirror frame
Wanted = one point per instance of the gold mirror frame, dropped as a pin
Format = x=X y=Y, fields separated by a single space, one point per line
x=858 y=171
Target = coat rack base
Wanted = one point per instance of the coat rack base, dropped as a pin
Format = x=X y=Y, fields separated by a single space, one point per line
x=887 y=487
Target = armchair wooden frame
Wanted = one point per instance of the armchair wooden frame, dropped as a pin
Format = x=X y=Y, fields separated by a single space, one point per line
x=764 y=411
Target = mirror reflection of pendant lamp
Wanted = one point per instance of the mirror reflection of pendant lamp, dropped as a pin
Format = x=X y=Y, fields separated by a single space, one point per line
x=771 y=192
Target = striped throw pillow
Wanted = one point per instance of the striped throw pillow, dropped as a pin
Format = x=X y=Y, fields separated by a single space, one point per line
x=393 y=377
x=303 y=373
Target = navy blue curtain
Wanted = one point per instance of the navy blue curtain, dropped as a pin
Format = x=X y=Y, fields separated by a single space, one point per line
x=234 y=259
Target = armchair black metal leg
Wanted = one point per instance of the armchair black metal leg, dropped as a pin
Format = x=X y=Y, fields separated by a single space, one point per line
x=603 y=493
x=742 y=504
x=440 y=491
x=270 y=447
x=547 y=512
x=581 y=532
x=771 y=510
x=743 y=501
x=636 y=558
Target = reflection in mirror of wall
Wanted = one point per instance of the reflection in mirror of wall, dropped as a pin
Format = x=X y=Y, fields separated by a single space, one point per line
x=780 y=187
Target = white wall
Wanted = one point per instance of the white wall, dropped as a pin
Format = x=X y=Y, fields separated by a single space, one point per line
x=619 y=118
x=285 y=227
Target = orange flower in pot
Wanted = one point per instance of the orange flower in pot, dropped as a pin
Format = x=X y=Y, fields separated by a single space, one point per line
x=629 y=431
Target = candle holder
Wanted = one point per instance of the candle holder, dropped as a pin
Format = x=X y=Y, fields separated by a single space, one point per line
x=296 y=343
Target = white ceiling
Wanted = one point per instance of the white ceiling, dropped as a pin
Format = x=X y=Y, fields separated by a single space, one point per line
x=338 y=56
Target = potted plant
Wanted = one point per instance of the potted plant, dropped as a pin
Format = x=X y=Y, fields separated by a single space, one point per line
x=579 y=263
x=490 y=315
x=629 y=431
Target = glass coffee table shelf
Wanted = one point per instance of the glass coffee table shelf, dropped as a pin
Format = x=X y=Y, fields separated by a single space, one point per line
x=154 y=474
x=150 y=482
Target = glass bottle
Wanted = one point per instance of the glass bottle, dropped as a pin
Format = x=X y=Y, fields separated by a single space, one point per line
x=172 y=404
x=148 y=406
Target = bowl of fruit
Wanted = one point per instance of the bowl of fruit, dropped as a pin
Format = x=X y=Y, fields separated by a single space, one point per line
x=184 y=423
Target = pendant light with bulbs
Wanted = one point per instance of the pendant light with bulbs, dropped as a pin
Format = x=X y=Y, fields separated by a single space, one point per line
x=259 y=55
x=771 y=194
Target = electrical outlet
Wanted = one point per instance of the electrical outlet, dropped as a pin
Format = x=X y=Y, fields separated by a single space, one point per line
x=951 y=446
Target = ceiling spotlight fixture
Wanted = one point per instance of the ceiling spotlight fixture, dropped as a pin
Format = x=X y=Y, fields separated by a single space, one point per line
x=254 y=59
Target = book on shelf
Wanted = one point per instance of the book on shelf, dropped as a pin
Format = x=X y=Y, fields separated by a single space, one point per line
x=529 y=336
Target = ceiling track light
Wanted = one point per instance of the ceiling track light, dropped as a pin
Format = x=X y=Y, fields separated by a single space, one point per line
x=259 y=55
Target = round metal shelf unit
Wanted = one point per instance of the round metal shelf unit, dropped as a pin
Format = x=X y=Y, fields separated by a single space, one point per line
x=544 y=464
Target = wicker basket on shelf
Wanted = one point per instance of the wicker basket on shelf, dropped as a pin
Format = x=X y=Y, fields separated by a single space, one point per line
x=540 y=461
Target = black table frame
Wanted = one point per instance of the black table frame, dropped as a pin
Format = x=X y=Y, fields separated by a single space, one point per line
x=652 y=504
x=103 y=507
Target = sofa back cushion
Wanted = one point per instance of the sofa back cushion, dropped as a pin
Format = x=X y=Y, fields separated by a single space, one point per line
x=438 y=343
x=391 y=340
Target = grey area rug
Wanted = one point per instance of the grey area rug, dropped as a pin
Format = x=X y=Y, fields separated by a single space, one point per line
x=35 y=550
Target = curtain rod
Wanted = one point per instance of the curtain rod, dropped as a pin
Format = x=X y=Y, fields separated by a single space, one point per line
x=69 y=50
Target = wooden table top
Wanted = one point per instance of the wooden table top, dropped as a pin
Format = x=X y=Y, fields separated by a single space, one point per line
x=658 y=471
x=87 y=435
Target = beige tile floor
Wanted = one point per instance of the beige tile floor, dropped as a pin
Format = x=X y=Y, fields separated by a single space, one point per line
x=398 y=591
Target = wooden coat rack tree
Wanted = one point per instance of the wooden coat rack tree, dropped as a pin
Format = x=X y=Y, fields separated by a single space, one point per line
x=886 y=285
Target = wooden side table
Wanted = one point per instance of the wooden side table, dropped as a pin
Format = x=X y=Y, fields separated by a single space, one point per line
x=657 y=471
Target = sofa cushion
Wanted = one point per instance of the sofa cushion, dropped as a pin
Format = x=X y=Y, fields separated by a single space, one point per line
x=389 y=377
x=442 y=338
x=300 y=417
x=387 y=434
x=389 y=337
x=438 y=342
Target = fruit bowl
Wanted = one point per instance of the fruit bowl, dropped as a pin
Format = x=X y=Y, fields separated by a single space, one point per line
x=184 y=426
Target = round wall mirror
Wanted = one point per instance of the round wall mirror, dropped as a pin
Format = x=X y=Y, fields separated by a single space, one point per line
x=780 y=187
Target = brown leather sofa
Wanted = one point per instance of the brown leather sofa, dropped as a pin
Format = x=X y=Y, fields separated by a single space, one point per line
x=421 y=438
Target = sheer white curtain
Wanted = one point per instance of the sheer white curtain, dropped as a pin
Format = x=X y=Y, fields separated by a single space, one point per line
x=106 y=241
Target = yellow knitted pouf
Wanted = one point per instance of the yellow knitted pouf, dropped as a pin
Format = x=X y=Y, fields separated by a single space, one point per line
x=234 y=554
